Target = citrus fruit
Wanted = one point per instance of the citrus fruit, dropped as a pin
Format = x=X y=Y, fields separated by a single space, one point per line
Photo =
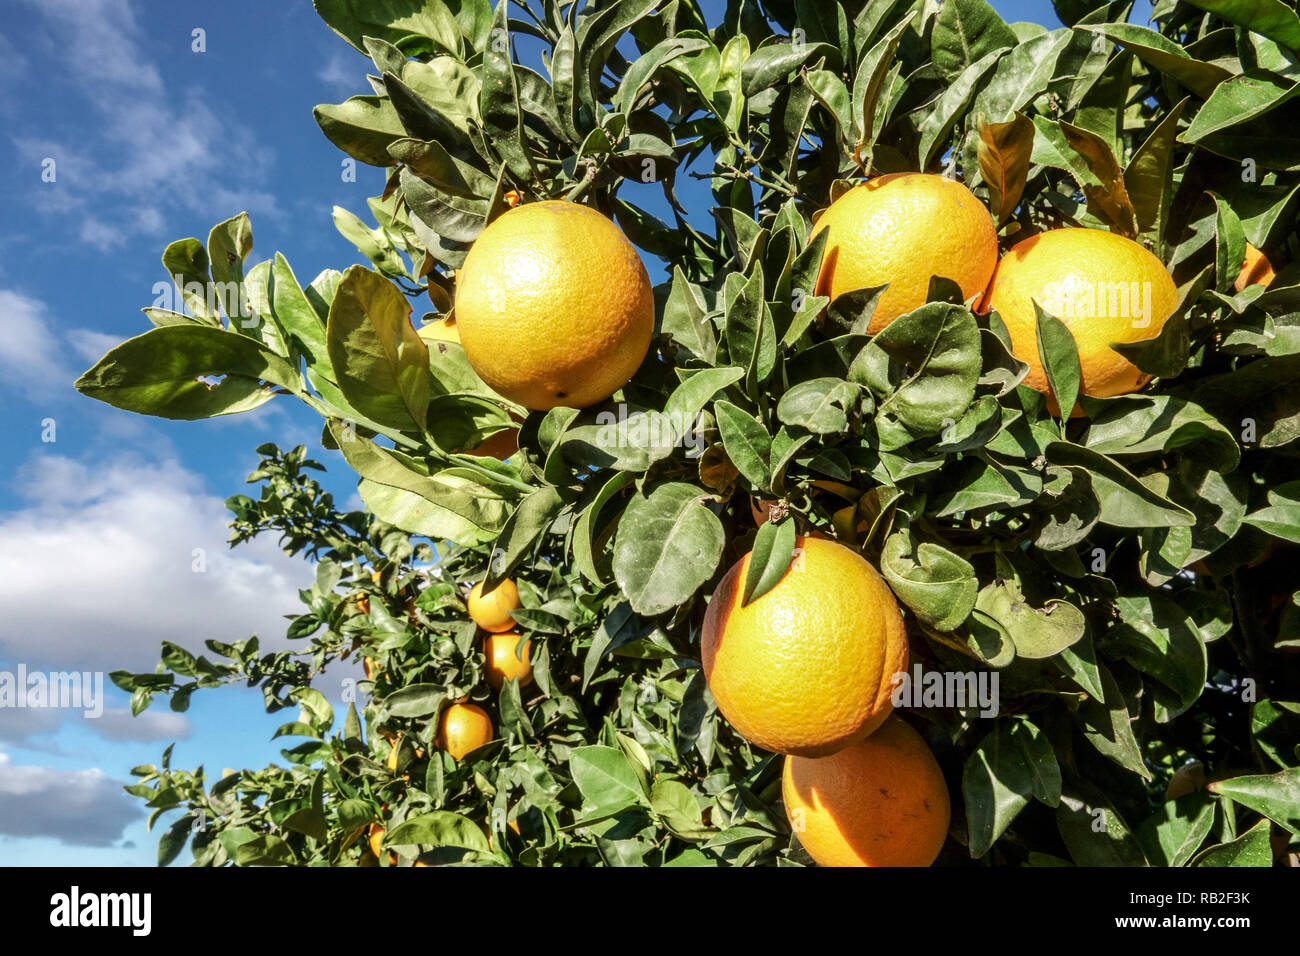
x=503 y=663
x=902 y=229
x=808 y=667
x=376 y=839
x=554 y=306
x=464 y=727
x=1104 y=287
x=879 y=802
x=1255 y=270
x=491 y=611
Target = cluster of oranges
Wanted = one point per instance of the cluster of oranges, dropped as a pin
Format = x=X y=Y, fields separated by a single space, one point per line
x=462 y=726
x=807 y=669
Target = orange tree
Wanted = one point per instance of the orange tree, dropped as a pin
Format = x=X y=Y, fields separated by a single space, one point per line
x=1094 y=505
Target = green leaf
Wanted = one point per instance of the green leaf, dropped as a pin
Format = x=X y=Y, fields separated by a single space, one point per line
x=1060 y=358
x=1021 y=77
x=415 y=700
x=438 y=828
x=1173 y=834
x=769 y=559
x=747 y=443
x=1271 y=18
x=1107 y=726
x=1038 y=633
x=1229 y=244
x=1125 y=501
x=1165 y=56
x=295 y=314
x=362 y=126
x=229 y=244
x=821 y=405
x=1160 y=638
x=528 y=523
x=965 y=31
x=1095 y=833
x=871 y=78
x=1281 y=517
x=1147 y=178
x=1252 y=848
x=1010 y=766
x=1237 y=101
x=1155 y=424
x=1276 y=795
x=392 y=20
x=186 y=262
x=668 y=545
x=685 y=320
x=606 y=780
x=925 y=365
x=772 y=63
x=679 y=810
x=938 y=586
x=158 y=373
x=952 y=104
x=499 y=100
x=1275 y=725
x=380 y=362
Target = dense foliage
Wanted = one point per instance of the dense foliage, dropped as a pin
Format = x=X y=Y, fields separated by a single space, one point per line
x=1128 y=575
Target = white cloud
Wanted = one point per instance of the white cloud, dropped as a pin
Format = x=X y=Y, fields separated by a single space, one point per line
x=29 y=351
x=343 y=72
x=98 y=568
x=90 y=345
x=116 y=723
x=84 y=807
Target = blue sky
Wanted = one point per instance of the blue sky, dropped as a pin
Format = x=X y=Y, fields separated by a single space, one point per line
x=150 y=141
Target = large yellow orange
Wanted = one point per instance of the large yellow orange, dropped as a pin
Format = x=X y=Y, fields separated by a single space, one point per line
x=1087 y=279
x=464 y=727
x=503 y=663
x=808 y=667
x=903 y=229
x=554 y=306
x=491 y=611
x=879 y=802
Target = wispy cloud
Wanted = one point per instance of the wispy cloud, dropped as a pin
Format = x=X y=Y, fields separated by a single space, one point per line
x=30 y=351
x=146 y=144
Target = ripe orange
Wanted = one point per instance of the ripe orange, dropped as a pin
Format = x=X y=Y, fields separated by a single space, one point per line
x=1086 y=278
x=464 y=727
x=1255 y=270
x=903 y=229
x=808 y=667
x=879 y=802
x=503 y=664
x=376 y=839
x=491 y=611
x=554 y=306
